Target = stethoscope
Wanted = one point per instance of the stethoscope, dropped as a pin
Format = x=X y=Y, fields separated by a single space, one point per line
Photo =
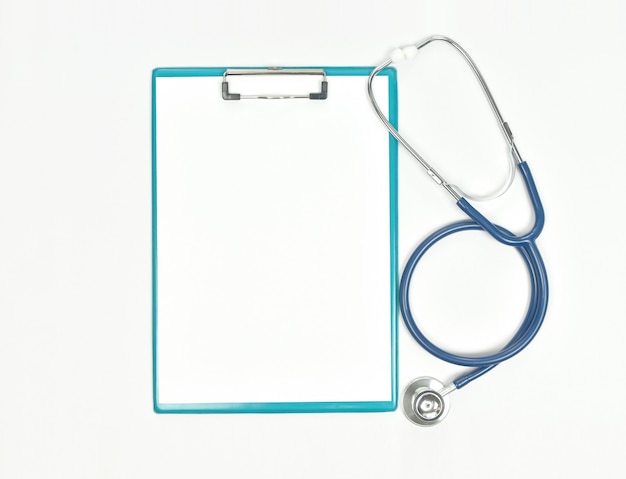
x=426 y=400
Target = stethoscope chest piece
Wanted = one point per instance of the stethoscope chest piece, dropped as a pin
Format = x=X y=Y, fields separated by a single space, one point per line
x=423 y=404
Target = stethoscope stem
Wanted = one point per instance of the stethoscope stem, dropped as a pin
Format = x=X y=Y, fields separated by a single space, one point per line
x=447 y=390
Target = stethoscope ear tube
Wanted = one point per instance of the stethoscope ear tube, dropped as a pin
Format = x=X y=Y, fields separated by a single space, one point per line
x=501 y=234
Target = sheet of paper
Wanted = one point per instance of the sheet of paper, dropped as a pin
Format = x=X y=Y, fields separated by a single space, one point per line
x=273 y=233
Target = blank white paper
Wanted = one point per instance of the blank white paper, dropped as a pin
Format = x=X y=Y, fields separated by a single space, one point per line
x=273 y=233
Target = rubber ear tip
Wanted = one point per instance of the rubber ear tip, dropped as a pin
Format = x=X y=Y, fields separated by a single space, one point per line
x=397 y=55
x=410 y=52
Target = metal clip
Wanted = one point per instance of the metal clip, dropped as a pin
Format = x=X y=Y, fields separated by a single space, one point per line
x=321 y=95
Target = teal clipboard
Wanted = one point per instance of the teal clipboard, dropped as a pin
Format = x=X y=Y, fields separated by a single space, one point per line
x=274 y=241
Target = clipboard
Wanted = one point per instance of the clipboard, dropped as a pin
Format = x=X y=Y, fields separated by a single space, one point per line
x=274 y=241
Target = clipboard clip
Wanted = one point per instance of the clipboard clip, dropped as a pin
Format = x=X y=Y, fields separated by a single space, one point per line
x=321 y=95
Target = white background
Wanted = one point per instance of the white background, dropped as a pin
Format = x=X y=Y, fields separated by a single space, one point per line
x=75 y=340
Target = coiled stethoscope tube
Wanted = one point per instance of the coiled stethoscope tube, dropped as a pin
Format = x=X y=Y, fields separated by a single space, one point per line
x=425 y=399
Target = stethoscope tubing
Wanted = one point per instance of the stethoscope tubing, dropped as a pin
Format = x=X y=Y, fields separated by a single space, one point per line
x=526 y=332
x=501 y=234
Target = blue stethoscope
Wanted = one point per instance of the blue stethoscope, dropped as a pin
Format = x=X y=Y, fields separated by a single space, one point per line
x=426 y=401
